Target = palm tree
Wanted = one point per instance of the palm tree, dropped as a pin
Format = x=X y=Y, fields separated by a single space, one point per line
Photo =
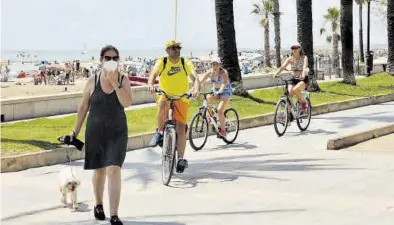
x=332 y=17
x=390 y=36
x=265 y=10
x=277 y=14
x=227 y=45
x=360 y=32
x=347 y=41
x=305 y=38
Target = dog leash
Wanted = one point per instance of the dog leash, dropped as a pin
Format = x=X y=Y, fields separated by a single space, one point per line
x=69 y=160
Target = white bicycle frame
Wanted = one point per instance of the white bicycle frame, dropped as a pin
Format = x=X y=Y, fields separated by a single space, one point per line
x=210 y=107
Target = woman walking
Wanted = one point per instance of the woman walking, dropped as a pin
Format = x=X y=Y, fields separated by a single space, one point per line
x=105 y=94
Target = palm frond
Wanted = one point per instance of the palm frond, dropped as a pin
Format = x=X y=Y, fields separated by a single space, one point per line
x=268 y=6
x=264 y=22
x=256 y=10
x=329 y=39
x=335 y=26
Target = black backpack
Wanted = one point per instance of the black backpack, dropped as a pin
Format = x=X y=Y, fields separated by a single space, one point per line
x=165 y=63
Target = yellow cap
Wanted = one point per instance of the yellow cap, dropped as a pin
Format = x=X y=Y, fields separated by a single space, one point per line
x=172 y=43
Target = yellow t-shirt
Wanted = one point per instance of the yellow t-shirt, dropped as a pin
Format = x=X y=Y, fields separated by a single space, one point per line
x=173 y=79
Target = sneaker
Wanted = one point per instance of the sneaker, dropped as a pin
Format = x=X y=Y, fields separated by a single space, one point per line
x=181 y=165
x=115 y=220
x=304 y=106
x=99 y=212
x=156 y=140
x=222 y=133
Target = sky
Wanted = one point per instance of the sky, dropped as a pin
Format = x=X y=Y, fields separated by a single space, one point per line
x=147 y=24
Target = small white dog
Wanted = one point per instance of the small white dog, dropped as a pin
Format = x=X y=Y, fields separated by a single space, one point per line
x=68 y=184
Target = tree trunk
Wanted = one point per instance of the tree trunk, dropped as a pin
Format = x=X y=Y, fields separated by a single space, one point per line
x=305 y=38
x=361 y=41
x=390 y=36
x=347 y=41
x=277 y=33
x=227 y=45
x=335 y=54
x=267 y=58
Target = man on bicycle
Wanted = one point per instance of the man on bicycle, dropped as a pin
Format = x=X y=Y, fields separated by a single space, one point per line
x=173 y=72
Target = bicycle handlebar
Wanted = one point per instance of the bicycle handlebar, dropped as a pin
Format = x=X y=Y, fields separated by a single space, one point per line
x=208 y=93
x=159 y=92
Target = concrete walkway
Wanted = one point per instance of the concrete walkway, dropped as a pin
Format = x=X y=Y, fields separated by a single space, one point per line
x=261 y=179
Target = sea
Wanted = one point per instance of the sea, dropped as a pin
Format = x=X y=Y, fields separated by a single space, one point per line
x=88 y=55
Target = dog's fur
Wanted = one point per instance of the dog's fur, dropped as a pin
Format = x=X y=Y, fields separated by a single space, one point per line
x=68 y=184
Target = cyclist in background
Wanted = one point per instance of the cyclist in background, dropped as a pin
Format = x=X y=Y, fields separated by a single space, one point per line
x=173 y=72
x=299 y=66
x=222 y=90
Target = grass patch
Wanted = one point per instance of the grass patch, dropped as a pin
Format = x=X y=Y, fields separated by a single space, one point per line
x=41 y=134
x=273 y=94
x=377 y=84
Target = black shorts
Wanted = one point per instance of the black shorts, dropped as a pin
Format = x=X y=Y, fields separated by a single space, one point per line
x=295 y=80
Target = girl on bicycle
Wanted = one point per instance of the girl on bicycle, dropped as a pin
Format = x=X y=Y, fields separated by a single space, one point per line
x=299 y=66
x=222 y=90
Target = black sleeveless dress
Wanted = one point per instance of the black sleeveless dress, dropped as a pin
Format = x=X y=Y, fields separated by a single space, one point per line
x=106 y=130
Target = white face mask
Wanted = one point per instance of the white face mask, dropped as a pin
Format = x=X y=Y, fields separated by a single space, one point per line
x=110 y=65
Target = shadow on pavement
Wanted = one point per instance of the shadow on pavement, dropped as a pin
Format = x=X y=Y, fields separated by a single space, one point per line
x=224 y=169
x=308 y=132
x=134 y=221
x=228 y=169
x=235 y=146
x=227 y=213
x=125 y=222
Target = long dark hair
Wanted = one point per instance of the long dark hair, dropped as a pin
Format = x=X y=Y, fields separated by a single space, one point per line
x=106 y=49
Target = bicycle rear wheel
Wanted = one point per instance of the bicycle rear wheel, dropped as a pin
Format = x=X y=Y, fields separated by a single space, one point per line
x=168 y=154
x=198 y=132
x=281 y=120
x=232 y=125
x=304 y=119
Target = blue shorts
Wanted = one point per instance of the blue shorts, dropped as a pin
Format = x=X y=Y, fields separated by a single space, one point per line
x=227 y=93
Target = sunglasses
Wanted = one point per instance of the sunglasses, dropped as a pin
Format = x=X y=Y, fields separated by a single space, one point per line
x=109 y=58
x=292 y=48
x=175 y=48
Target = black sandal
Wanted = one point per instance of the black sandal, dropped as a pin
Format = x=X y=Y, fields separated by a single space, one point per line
x=99 y=212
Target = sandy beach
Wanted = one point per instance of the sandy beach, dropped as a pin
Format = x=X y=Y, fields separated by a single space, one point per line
x=27 y=89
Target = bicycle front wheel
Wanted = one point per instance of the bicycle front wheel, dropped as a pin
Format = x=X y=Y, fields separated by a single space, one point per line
x=232 y=125
x=198 y=132
x=304 y=118
x=168 y=154
x=281 y=120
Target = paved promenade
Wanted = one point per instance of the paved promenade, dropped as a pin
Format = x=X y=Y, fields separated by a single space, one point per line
x=261 y=179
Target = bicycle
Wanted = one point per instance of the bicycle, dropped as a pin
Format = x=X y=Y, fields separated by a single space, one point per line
x=208 y=114
x=170 y=139
x=291 y=111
